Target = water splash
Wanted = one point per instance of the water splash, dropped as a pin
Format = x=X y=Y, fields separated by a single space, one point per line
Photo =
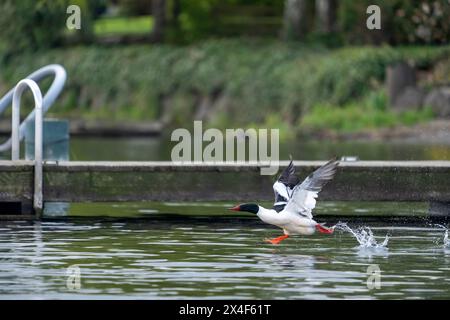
x=363 y=235
x=445 y=241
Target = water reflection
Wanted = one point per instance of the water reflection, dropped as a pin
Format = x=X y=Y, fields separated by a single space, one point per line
x=158 y=149
x=154 y=149
x=369 y=252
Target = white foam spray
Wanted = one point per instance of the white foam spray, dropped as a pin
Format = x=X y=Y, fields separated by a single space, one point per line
x=363 y=235
x=445 y=241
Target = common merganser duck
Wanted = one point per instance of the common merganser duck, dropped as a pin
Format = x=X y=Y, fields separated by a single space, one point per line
x=294 y=202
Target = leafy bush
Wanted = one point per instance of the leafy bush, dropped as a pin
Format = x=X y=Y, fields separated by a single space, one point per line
x=402 y=21
x=254 y=80
x=203 y=19
x=135 y=7
x=31 y=24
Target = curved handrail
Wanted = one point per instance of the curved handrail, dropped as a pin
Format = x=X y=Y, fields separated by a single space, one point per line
x=15 y=135
x=55 y=89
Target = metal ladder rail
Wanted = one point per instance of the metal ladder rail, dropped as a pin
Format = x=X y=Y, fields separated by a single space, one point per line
x=55 y=89
x=38 y=131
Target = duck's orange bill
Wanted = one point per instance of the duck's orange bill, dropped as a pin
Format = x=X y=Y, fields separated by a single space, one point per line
x=236 y=208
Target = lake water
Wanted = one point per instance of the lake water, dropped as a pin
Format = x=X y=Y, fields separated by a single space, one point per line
x=155 y=149
x=142 y=149
x=202 y=250
x=220 y=257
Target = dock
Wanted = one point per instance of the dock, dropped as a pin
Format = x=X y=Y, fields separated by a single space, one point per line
x=92 y=181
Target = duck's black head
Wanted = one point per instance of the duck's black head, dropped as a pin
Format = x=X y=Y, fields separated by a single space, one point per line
x=247 y=207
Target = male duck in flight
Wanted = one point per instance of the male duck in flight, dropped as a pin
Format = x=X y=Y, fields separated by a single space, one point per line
x=294 y=201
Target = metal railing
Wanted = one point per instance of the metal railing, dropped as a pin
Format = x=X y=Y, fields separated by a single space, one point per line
x=15 y=136
x=56 y=87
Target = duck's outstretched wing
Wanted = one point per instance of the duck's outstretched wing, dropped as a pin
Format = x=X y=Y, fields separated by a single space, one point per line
x=283 y=187
x=303 y=197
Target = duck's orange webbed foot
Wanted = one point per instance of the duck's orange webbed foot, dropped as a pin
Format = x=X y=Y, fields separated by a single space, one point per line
x=277 y=240
x=323 y=229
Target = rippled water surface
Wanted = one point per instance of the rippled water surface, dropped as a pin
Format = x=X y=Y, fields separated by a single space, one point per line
x=174 y=256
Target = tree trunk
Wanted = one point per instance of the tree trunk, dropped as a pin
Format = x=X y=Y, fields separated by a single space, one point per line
x=159 y=20
x=326 y=15
x=295 y=19
x=176 y=10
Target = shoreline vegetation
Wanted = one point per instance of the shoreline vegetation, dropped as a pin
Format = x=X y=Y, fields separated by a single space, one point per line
x=230 y=83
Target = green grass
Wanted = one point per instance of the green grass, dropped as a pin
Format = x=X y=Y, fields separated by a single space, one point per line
x=123 y=25
x=369 y=113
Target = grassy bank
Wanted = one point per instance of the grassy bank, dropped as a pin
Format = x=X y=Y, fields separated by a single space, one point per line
x=370 y=112
x=123 y=25
x=239 y=82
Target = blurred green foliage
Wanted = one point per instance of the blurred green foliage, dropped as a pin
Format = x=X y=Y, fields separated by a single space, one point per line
x=89 y=11
x=258 y=82
x=363 y=114
x=134 y=7
x=123 y=25
x=195 y=20
x=31 y=24
x=402 y=21
x=206 y=18
x=34 y=24
x=28 y=25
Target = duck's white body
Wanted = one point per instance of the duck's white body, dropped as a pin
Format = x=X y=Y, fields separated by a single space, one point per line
x=291 y=223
